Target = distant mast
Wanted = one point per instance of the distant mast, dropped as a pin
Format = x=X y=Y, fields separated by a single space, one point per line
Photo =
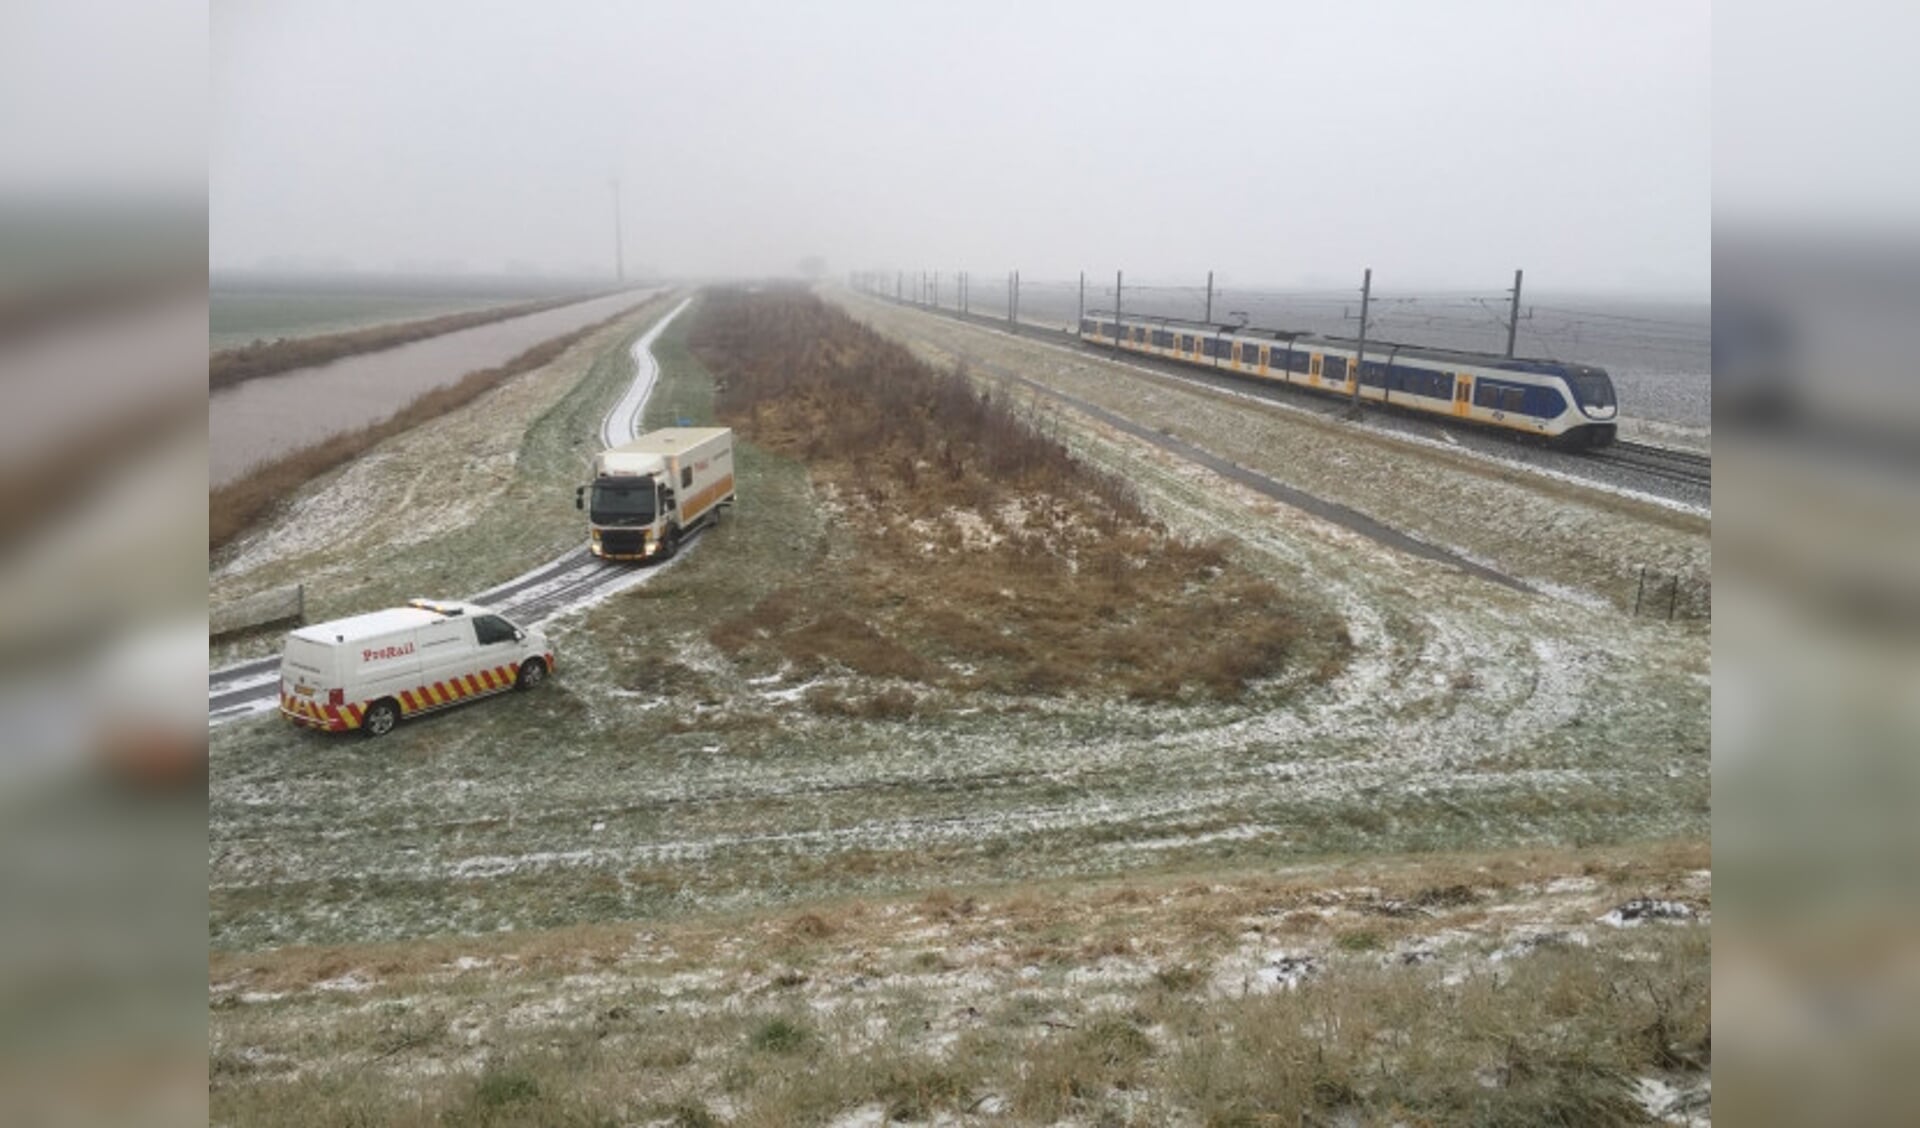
x=619 y=244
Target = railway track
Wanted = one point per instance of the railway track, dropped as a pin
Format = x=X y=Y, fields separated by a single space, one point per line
x=529 y=599
x=1685 y=466
x=1665 y=464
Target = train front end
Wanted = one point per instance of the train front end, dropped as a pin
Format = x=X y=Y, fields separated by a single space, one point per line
x=1595 y=406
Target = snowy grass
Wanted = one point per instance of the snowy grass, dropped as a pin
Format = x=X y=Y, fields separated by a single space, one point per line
x=592 y=902
x=1445 y=989
x=656 y=777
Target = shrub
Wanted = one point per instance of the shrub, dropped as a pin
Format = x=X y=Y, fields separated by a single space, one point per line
x=780 y=1036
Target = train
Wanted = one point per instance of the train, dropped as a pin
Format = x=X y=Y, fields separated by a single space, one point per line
x=1569 y=405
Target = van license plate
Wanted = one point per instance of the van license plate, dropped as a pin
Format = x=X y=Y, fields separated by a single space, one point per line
x=303 y=690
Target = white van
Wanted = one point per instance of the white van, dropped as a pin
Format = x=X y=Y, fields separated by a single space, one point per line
x=369 y=671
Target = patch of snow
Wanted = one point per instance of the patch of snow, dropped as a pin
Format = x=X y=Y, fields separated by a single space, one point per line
x=1642 y=909
x=866 y=1116
x=1672 y=1104
x=1529 y=939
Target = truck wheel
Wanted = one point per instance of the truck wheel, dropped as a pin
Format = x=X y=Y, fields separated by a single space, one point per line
x=670 y=544
x=380 y=718
x=532 y=672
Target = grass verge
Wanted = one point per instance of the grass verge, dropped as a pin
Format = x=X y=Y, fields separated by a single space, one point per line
x=1496 y=995
x=985 y=556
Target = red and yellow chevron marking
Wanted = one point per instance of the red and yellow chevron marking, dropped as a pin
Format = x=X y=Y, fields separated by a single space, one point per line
x=490 y=680
x=312 y=714
x=342 y=718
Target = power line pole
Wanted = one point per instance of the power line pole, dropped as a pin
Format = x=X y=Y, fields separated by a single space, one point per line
x=1009 y=297
x=1082 y=315
x=936 y=289
x=1360 y=354
x=1117 y=278
x=619 y=241
x=1016 y=300
x=1513 y=318
x=1209 y=317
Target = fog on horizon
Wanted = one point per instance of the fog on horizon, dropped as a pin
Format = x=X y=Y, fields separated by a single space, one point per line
x=1281 y=144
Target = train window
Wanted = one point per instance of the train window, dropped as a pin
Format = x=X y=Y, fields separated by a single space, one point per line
x=1544 y=402
x=1162 y=339
x=1299 y=361
x=1424 y=382
x=1087 y=328
x=1335 y=368
x=1186 y=343
x=1139 y=336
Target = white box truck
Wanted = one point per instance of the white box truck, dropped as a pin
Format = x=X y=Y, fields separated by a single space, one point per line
x=649 y=493
x=369 y=671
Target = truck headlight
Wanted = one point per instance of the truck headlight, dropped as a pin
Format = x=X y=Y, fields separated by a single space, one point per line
x=596 y=536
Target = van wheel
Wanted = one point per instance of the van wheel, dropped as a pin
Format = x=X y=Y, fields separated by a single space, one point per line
x=380 y=718
x=532 y=672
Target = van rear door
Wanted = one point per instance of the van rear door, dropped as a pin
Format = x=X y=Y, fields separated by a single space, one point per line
x=308 y=669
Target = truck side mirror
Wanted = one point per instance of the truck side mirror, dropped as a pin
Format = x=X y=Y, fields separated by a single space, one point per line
x=579 y=497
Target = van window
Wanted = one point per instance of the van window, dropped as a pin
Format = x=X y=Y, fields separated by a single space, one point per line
x=686 y=477
x=490 y=629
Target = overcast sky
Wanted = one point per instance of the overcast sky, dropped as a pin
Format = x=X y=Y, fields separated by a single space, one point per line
x=1293 y=144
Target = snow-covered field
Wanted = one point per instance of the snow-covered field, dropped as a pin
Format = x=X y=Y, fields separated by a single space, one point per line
x=1469 y=973
x=711 y=808
x=654 y=777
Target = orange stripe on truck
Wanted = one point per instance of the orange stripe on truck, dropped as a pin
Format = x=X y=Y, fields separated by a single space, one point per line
x=702 y=501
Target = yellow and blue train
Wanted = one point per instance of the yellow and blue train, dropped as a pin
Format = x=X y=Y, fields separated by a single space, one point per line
x=1571 y=404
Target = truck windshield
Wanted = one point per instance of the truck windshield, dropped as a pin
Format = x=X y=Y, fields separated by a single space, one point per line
x=1591 y=388
x=623 y=504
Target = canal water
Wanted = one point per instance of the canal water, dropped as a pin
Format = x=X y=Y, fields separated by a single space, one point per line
x=273 y=416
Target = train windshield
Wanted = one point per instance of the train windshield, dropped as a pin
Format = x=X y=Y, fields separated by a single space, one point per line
x=1591 y=389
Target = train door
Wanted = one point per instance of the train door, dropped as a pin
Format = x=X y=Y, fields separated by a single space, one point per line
x=1313 y=370
x=1462 y=393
